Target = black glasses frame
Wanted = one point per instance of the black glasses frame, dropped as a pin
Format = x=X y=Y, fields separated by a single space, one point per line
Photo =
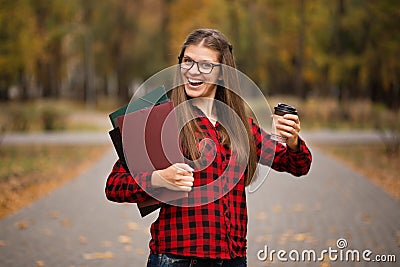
x=196 y=62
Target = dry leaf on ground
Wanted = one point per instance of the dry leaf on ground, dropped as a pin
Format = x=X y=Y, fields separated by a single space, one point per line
x=22 y=225
x=98 y=255
x=124 y=239
x=40 y=263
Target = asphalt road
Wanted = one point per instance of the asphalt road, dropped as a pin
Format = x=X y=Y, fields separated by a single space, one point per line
x=76 y=226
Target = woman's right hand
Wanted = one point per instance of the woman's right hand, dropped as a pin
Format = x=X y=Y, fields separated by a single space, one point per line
x=177 y=177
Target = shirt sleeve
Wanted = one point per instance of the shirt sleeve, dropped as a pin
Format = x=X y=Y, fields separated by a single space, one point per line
x=280 y=157
x=124 y=186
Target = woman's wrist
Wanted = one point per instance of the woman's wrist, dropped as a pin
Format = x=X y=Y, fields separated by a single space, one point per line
x=156 y=179
x=294 y=146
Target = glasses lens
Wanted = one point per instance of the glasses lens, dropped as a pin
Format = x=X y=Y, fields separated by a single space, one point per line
x=187 y=64
x=205 y=67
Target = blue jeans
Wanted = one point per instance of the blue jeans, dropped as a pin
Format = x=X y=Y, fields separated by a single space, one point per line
x=168 y=260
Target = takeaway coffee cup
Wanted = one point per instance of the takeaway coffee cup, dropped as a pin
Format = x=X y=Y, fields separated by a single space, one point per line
x=279 y=111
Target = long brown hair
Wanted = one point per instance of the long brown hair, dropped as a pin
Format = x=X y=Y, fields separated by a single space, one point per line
x=215 y=40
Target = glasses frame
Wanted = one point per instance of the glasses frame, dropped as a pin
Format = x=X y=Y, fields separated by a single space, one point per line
x=198 y=67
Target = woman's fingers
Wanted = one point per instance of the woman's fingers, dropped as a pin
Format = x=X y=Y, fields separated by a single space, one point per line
x=184 y=181
x=289 y=127
x=183 y=167
x=176 y=177
x=290 y=120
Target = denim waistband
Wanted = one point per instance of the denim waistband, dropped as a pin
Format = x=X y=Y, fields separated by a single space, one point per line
x=169 y=260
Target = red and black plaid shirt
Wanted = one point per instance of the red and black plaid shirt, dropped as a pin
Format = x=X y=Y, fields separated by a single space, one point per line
x=217 y=229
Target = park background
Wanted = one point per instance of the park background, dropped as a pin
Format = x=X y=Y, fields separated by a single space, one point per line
x=65 y=65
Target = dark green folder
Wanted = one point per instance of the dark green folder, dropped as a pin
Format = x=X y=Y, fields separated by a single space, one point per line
x=157 y=96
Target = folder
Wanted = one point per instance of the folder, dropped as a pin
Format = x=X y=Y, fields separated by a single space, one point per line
x=116 y=139
x=150 y=139
x=157 y=96
x=152 y=98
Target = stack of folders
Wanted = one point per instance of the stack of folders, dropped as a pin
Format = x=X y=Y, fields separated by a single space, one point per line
x=146 y=138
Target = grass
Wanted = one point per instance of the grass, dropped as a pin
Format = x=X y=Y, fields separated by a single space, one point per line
x=30 y=171
x=52 y=115
x=372 y=161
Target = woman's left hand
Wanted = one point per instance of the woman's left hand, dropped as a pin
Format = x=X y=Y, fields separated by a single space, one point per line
x=289 y=126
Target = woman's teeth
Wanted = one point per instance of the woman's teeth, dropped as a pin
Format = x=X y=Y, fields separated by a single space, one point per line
x=193 y=82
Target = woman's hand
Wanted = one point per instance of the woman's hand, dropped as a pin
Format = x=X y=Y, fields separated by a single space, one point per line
x=177 y=177
x=289 y=126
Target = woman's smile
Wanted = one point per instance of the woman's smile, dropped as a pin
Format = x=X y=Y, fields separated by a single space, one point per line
x=195 y=83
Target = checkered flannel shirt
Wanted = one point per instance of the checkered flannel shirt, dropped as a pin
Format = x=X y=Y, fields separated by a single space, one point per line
x=217 y=229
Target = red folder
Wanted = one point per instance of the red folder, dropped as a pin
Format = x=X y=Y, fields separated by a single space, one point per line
x=150 y=140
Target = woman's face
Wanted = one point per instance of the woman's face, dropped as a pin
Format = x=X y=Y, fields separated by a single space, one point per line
x=197 y=83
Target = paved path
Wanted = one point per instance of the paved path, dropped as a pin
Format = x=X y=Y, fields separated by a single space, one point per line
x=83 y=138
x=321 y=136
x=76 y=226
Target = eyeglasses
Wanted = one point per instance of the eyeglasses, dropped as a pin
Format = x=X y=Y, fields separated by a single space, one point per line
x=203 y=67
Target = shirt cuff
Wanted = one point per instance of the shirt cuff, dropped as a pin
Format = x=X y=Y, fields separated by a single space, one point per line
x=301 y=148
x=143 y=179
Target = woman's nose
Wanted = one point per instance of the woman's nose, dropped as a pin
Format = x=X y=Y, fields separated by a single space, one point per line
x=194 y=69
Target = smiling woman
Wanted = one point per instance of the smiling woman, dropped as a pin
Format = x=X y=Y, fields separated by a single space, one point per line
x=217 y=131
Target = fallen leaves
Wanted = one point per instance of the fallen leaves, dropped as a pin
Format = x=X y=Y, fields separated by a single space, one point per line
x=106 y=244
x=285 y=236
x=302 y=237
x=55 y=214
x=28 y=172
x=66 y=223
x=261 y=216
x=140 y=251
x=298 y=208
x=263 y=238
x=40 y=263
x=83 y=240
x=132 y=226
x=289 y=235
x=277 y=208
x=98 y=255
x=325 y=264
x=366 y=218
x=22 y=225
x=124 y=239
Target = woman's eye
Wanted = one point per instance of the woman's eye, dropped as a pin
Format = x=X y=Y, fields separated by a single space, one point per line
x=187 y=60
x=206 y=65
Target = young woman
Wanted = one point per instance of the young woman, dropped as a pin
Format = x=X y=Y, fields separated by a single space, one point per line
x=212 y=233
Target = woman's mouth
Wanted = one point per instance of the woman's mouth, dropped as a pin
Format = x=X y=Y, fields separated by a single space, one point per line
x=195 y=83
